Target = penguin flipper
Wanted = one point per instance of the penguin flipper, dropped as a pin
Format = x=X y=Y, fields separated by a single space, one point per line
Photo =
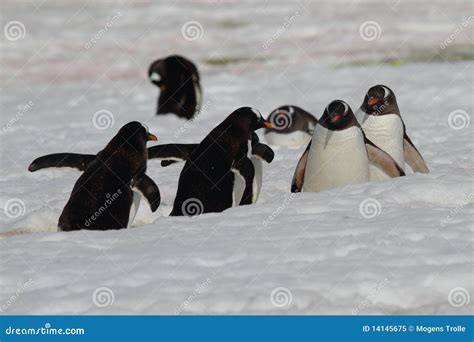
x=413 y=156
x=175 y=152
x=149 y=190
x=383 y=160
x=298 y=176
x=263 y=151
x=74 y=160
x=246 y=169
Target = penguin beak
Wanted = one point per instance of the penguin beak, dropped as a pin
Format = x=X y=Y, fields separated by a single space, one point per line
x=267 y=124
x=373 y=101
x=151 y=137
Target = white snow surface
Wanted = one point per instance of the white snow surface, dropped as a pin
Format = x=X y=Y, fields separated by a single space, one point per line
x=401 y=246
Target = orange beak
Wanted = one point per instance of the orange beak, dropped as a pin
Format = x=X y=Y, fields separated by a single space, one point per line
x=373 y=101
x=267 y=124
x=151 y=137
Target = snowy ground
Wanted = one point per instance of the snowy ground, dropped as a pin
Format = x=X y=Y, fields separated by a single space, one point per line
x=402 y=246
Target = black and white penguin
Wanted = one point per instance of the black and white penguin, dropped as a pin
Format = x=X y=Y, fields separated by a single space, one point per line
x=379 y=117
x=339 y=153
x=292 y=126
x=179 y=83
x=207 y=179
x=103 y=196
x=257 y=152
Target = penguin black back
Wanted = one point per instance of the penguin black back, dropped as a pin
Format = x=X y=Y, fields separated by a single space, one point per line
x=179 y=83
x=207 y=179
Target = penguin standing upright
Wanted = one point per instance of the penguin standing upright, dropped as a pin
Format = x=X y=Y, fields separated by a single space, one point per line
x=292 y=126
x=103 y=196
x=339 y=153
x=179 y=83
x=379 y=117
x=207 y=178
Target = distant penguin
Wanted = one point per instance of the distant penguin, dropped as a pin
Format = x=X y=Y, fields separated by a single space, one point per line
x=179 y=83
x=339 y=154
x=171 y=153
x=292 y=126
x=206 y=182
x=379 y=117
x=103 y=196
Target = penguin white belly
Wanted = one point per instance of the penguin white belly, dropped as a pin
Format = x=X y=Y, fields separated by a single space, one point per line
x=257 y=179
x=385 y=131
x=239 y=187
x=296 y=138
x=336 y=158
x=134 y=207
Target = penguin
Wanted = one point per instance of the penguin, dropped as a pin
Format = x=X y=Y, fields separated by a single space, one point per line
x=292 y=126
x=207 y=178
x=257 y=152
x=379 y=117
x=339 y=153
x=103 y=196
x=179 y=83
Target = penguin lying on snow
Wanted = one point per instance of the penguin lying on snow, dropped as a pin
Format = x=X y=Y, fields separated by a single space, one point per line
x=180 y=89
x=292 y=126
x=380 y=119
x=256 y=152
x=339 y=153
x=206 y=181
x=102 y=197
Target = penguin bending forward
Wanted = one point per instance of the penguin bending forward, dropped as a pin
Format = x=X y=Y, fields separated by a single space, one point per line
x=171 y=153
x=379 y=117
x=292 y=126
x=339 y=153
x=180 y=88
x=206 y=182
x=103 y=196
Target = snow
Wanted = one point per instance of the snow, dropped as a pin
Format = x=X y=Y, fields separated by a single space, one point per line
x=402 y=246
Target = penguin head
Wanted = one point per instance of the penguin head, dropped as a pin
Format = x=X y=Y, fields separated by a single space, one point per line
x=157 y=74
x=248 y=119
x=337 y=116
x=380 y=100
x=135 y=134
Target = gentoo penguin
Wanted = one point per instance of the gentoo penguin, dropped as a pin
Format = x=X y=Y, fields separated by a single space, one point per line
x=380 y=119
x=102 y=197
x=292 y=126
x=339 y=153
x=257 y=152
x=180 y=89
x=207 y=178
